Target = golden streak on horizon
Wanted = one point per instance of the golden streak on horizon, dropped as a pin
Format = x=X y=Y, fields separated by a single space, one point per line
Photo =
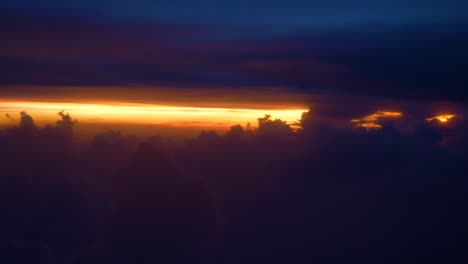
x=441 y=118
x=141 y=113
x=370 y=122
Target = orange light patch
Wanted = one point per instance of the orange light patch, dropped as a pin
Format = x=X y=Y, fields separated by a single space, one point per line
x=140 y=113
x=371 y=122
x=441 y=118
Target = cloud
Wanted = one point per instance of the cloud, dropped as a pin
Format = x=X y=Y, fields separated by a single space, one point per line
x=116 y=199
x=414 y=61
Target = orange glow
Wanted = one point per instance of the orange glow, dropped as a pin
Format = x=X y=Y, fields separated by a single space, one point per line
x=370 y=122
x=370 y=126
x=441 y=118
x=142 y=113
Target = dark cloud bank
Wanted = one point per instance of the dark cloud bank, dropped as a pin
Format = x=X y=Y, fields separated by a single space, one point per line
x=268 y=195
x=411 y=50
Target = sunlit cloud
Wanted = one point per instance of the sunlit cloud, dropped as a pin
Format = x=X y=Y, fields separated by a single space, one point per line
x=441 y=118
x=371 y=122
x=141 y=113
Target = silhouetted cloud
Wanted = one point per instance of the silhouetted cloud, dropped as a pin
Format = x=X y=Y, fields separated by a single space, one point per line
x=216 y=197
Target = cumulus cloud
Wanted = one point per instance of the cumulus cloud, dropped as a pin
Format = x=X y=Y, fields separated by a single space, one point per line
x=217 y=196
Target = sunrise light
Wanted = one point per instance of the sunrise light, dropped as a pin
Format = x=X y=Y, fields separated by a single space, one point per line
x=141 y=113
x=371 y=122
x=441 y=118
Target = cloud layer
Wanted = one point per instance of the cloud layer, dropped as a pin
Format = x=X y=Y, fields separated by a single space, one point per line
x=391 y=57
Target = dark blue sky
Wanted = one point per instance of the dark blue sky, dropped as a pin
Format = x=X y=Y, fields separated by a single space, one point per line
x=391 y=49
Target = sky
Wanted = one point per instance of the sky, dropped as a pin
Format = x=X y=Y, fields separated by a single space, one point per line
x=383 y=50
